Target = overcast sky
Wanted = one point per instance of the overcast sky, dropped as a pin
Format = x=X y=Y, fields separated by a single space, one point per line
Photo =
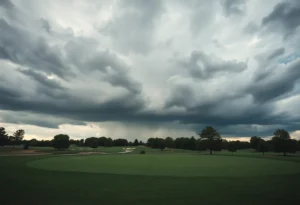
x=140 y=68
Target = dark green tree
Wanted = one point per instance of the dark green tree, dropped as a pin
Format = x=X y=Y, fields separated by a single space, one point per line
x=169 y=142
x=254 y=141
x=262 y=146
x=91 y=142
x=162 y=144
x=232 y=146
x=213 y=138
x=192 y=143
x=136 y=142
x=61 y=142
x=3 y=136
x=281 y=141
x=17 y=136
x=26 y=145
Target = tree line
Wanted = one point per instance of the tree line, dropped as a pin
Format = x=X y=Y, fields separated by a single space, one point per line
x=209 y=139
x=14 y=139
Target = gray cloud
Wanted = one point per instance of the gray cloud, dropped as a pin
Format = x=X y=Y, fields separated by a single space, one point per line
x=251 y=28
x=42 y=79
x=111 y=68
x=6 y=4
x=276 y=53
x=36 y=53
x=284 y=18
x=232 y=7
x=36 y=119
x=46 y=25
x=271 y=86
x=57 y=67
x=201 y=13
x=132 y=26
x=43 y=96
x=201 y=65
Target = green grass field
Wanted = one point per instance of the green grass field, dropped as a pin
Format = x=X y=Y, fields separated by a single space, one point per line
x=169 y=177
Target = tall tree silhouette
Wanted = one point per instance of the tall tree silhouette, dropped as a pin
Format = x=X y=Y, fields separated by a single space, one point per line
x=212 y=136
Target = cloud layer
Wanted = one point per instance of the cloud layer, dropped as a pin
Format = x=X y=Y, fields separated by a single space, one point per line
x=149 y=68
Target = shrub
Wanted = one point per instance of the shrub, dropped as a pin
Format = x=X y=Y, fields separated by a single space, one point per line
x=26 y=146
x=142 y=152
x=94 y=145
x=61 y=142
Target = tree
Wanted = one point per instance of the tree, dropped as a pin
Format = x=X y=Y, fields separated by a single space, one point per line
x=136 y=142
x=192 y=143
x=33 y=142
x=120 y=142
x=232 y=146
x=212 y=136
x=169 y=142
x=91 y=142
x=224 y=144
x=282 y=141
x=26 y=145
x=263 y=146
x=162 y=144
x=18 y=136
x=61 y=141
x=254 y=141
x=94 y=144
x=3 y=136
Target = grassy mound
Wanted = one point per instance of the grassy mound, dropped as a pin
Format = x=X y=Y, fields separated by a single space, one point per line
x=169 y=165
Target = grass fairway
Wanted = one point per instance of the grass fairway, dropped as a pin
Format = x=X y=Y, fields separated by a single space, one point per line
x=169 y=165
x=141 y=179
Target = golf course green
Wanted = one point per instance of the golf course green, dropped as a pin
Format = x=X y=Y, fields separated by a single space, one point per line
x=159 y=178
x=169 y=165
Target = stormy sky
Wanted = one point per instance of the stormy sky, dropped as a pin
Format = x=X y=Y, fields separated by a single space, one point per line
x=139 y=68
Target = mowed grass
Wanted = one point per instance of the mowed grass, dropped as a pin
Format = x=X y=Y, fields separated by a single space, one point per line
x=169 y=165
x=140 y=179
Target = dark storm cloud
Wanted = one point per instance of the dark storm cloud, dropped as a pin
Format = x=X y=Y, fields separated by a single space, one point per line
x=6 y=4
x=48 y=97
x=44 y=95
x=232 y=111
x=276 y=53
x=67 y=106
x=42 y=79
x=94 y=84
x=284 y=18
x=265 y=60
x=181 y=95
x=133 y=25
x=242 y=124
x=233 y=7
x=272 y=85
x=46 y=25
x=19 y=46
x=200 y=65
x=35 y=119
x=80 y=53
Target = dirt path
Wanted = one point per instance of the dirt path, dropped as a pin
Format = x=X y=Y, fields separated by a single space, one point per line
x=34 y=153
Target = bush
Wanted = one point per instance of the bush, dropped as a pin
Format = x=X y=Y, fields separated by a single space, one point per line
x=94 y=145
x=61 y=142
x=142 y=152
x=26 y=146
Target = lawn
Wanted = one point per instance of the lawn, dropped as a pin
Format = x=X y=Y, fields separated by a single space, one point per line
x=169 y=165
x=181 y=178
